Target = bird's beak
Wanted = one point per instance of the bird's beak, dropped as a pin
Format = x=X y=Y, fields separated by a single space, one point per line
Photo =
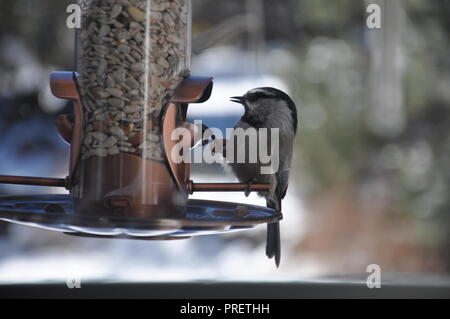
x=237 y=99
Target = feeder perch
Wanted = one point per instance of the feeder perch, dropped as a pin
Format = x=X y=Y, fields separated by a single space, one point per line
x=132 y=88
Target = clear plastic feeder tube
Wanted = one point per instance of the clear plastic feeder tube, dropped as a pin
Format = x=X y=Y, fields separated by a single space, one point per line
x=132 y=55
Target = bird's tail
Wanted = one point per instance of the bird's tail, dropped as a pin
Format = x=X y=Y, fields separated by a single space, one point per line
x=273 y=245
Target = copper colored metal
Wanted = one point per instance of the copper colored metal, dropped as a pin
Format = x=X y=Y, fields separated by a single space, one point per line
x=63 y=85
x=125 y=185
x=194 y=89
x=180 y=170
x=169 y=125
x=113 y=185
x=64 y=127
x=34 y=181
x=226 y=187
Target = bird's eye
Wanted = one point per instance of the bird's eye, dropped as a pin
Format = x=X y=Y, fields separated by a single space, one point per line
x=251 y=97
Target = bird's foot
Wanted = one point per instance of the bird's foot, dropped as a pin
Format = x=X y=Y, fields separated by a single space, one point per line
x=248 y=188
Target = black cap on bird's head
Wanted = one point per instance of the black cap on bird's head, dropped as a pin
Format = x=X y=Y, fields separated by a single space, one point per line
x=254 y=98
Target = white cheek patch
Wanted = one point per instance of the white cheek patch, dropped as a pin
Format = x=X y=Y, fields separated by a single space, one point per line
x=252 y=106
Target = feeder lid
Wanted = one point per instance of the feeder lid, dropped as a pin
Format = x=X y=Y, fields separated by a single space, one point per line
x=56 y=213
x=193 y=89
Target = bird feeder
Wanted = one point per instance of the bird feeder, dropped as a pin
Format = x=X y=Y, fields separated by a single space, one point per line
x=131 y=89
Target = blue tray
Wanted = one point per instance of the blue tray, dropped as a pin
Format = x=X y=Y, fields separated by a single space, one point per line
x=56 y=213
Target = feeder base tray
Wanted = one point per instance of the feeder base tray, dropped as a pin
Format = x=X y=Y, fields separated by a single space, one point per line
x=56 y=213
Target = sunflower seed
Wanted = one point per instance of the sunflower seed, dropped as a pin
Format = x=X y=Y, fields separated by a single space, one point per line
x=119 y=41
x=114 y=92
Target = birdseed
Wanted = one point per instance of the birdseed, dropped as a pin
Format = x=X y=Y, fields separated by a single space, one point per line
x=132 y=56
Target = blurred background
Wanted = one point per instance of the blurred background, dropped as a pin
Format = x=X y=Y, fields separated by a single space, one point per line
x=371 y=177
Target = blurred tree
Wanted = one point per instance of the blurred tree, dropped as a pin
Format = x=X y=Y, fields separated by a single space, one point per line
x=42 y=26
x=406 y=171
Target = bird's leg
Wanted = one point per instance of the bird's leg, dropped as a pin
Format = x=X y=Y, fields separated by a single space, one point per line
x=248 y=187
x=210 y=139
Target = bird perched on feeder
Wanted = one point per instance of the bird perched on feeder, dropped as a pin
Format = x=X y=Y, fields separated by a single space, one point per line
x=268 y=108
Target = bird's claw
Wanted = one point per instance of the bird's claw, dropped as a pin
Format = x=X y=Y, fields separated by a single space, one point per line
x=248 y=189
x=211 y=137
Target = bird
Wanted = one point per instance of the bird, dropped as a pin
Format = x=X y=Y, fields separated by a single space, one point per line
x=268 y=108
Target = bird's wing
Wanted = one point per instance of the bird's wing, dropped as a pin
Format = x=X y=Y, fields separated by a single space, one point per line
x=282 y=183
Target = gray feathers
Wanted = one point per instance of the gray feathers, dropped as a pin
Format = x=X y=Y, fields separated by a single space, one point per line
x=269 y=108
